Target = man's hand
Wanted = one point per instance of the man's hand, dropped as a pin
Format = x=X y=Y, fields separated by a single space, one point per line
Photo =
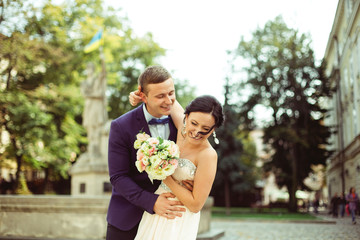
x=168 y=208
x=189 y=184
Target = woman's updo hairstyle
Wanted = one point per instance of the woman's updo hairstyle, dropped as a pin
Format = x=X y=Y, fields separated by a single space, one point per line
x=207 y=104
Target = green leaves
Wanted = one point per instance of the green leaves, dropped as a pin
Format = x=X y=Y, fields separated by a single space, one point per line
x=42 y=65
x=283 y=77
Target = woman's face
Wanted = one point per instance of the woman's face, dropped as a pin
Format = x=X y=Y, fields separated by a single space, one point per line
x=199 y=122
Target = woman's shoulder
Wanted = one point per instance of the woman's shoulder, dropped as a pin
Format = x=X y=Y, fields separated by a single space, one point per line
x=207 y=153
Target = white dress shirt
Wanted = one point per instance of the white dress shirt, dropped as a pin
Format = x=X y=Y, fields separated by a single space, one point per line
x=157 y=130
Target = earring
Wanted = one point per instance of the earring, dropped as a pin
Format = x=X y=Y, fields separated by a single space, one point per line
x=215 y=138
x=183 y=131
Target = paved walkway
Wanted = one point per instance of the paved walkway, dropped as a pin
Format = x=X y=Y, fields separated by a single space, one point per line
x=333 y=229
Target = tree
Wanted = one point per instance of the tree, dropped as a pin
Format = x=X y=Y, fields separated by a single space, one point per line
x=42 y=64
x=283 y=76
x=235 y=173
x=37 y=106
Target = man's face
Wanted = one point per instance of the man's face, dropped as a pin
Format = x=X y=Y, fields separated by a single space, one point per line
x=160 y=98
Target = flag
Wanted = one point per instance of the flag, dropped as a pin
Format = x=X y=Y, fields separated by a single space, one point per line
x=95 y=42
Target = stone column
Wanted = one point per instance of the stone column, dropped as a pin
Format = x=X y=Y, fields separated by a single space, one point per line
x=89 y=175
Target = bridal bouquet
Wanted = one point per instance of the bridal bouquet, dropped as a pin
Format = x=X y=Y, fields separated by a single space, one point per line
x=156 y=156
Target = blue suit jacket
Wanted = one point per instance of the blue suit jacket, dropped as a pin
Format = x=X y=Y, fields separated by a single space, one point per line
x=132 y=191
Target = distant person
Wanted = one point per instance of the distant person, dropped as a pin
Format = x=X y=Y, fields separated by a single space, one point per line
x=335 y=205
x=316 y=205
x=353 y=199
x=342 y=204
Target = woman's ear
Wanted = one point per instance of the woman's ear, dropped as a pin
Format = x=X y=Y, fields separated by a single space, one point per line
x=185 y=118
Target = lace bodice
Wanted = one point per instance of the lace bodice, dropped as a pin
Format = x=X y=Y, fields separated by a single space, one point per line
x=185 y=171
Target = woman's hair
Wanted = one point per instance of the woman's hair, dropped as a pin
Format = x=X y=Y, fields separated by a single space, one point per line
x=151 y=75
x=351 y=189
x=207 y=104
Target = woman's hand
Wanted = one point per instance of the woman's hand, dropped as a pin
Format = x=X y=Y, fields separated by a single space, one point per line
x=188 y=184
x=134 y=97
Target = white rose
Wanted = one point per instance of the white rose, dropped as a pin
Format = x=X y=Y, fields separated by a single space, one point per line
x=137 y=144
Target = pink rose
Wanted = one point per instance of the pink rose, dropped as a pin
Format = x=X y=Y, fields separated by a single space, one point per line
x=153 y=141
x=164 y=164
x=174 y=162
x=145 y=162
x=174 y=150
x=143 y=166
x=142 y=137
x=140 y=155
x=151 y=151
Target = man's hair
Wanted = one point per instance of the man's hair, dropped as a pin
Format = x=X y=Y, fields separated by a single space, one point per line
x=151 y=75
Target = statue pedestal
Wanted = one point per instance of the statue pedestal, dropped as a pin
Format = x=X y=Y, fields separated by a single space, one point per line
x=90 y=173
x=205 y=232
x=91 y=179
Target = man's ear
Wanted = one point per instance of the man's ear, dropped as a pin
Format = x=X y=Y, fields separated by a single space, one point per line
x=143 y=97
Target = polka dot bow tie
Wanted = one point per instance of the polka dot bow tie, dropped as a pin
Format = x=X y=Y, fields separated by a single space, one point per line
x=159 y=121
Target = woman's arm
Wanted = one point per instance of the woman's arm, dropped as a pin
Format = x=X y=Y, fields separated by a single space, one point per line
x=177 y=114
x=204 y=178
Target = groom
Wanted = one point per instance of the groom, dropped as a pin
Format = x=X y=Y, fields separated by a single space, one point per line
x=132 y=191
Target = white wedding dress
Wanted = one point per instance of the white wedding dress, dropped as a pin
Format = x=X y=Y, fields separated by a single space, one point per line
x=155 y=227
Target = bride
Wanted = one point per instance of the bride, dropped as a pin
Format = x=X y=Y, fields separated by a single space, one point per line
x=198 y=162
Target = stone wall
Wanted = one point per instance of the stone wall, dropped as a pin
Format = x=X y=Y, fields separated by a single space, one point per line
x=53 y=217
x=62 y=217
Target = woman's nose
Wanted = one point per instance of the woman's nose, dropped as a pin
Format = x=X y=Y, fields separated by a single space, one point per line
x=197 y=132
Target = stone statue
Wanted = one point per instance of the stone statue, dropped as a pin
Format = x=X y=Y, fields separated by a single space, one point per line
x=95 y=113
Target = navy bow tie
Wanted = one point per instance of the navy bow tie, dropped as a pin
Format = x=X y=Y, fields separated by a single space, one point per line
x=159 y=121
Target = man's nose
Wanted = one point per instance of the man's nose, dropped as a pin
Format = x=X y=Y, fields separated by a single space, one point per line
x=168 y=100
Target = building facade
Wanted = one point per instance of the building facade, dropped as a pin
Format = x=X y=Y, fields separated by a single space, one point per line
x=343 y=67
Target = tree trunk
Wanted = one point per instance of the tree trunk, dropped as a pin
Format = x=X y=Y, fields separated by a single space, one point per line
x=294 y=186
x=227 y=196
x=46 y=181
x=18 y=163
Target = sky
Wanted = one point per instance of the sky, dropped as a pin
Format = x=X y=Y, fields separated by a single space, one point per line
x=198 y=33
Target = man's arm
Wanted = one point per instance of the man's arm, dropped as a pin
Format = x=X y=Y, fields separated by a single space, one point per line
x=119 y=170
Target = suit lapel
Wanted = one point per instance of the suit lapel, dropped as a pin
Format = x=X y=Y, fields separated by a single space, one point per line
x=173 y=131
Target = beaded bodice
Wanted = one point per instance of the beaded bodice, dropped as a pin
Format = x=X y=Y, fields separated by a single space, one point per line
x=185 y=171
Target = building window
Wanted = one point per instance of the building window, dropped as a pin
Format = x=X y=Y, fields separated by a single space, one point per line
x=344 y=85
x=348 y=126
x=107 y=187
x=358 y=56
x=82 y=187
x=349 y=6
x=353 y=90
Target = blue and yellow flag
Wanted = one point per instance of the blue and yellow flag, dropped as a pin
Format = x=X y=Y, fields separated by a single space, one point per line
x=95 y=42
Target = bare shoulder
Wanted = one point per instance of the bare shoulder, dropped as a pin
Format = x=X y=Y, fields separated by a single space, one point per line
x=207 y=154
